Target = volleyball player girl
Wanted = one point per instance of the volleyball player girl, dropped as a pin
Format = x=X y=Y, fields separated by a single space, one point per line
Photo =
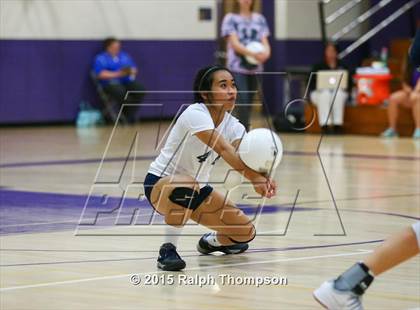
x=177 y=186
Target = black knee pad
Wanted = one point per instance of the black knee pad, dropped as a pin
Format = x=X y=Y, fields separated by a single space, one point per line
x=185 y=197
x=253 y=237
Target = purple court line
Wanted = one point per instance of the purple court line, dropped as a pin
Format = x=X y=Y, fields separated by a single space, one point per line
x=71 y=205
x=151 y=157
x=262 y=250
x=72 y=162
x=361 y=198
x=367 y=156
x=383 y=213
x=32 y=212
x=83 y=251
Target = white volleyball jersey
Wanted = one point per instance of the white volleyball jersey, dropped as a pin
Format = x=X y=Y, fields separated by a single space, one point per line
x=184 y=153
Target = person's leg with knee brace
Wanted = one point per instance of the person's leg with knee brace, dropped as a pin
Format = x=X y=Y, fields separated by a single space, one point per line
x=345 y=291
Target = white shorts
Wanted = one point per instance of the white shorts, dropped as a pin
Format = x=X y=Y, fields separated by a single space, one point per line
x=416 y=228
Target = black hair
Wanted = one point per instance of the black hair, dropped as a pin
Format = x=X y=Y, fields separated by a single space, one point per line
x=108 y=42
x=333 y=44
x=204 y=80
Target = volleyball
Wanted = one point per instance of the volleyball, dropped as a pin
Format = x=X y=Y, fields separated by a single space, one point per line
x=256 y=47
x=261 y=150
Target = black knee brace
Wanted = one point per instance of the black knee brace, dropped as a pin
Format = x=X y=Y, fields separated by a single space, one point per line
x=185 y=197
x=253 y=237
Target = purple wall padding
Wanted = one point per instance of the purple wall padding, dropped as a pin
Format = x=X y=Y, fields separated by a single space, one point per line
x=401 y=28
x=45 y=80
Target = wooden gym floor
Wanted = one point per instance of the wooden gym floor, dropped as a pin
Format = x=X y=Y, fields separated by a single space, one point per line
x=48 y=261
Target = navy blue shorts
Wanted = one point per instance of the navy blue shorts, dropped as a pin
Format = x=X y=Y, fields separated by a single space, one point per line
x=150 y=180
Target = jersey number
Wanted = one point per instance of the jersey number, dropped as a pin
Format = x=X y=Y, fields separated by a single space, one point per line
x=202 y=158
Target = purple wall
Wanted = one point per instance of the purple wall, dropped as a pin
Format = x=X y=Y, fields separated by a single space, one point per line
x=45 y=80
x=400 y=28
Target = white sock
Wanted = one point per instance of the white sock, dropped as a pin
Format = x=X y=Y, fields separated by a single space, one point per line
x=212 y=239
x=172 y=234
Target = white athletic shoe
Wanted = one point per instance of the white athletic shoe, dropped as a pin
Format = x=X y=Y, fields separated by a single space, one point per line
x=333 y=299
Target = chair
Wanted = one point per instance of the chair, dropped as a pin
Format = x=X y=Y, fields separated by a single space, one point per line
x=109 y=105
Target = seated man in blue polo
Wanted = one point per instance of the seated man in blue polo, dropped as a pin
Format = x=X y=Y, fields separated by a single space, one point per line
x=117 y=72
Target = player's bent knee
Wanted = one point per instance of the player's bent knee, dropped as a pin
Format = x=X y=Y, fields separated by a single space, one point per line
x=243 y=235
x=398 y=97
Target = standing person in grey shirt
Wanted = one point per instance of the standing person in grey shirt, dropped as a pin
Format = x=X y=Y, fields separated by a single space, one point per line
x=239 y=29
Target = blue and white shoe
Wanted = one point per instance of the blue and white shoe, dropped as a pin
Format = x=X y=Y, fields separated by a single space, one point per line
x=416 y=134
x=333 y=299
x=389 y=133
x=204 y=247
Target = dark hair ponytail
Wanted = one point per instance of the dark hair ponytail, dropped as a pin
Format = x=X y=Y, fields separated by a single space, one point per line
x=204 y=80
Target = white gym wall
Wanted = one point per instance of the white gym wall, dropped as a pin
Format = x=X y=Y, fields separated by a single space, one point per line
x=299 y=19
x=96 y=19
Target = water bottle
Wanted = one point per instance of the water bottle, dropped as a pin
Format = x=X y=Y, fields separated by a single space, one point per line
x=83 y=115
x=384 y=57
